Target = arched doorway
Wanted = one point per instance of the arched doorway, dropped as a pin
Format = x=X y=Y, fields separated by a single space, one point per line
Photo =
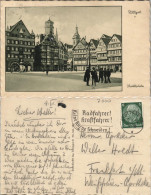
x=14 y=67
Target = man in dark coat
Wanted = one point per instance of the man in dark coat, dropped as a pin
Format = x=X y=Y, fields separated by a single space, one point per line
x=87 y=76
x=94 y=76
x=108 y=73
x=101 y=75
x=104 y=74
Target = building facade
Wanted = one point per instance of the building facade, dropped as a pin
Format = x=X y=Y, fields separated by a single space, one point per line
x=102 y=51
x=47 y=50
x=70 y=56
x=93 y=55
x=80 y=55
x=50 y=54
x=115 y=53
x=20 y=48
x=63 y=57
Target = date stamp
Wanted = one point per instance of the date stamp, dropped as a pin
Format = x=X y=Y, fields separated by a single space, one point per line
x=132 y=116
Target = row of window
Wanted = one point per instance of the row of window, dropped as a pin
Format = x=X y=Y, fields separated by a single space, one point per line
x=20 y=42
x=79 y=62
x=114 y=40
x=20 y=36
x=48 y=49
x=49 y=63
x=115 y=52
x=80 y=56
x=16 y=56
x=80 y=50
x=115 y=59
x=17 y=49
x=101 y=48
x=114 y=45
x=102 y=55
x=93 y=60
x=92 y=49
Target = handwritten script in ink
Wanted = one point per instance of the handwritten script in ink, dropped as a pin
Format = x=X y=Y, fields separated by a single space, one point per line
x=38 y=151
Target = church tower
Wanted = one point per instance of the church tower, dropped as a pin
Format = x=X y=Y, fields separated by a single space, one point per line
x=49 y=29
x=76 y=37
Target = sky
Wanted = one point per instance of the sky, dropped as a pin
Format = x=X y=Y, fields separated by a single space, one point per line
x=92 y=22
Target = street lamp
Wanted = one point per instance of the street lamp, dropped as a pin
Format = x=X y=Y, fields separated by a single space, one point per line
x=89 y=56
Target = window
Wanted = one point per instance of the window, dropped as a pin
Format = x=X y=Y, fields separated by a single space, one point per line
x=25 y=56
x=12 y=48
x=28 y=43
x=16 y=56
x=16 y=42
x=25 y=49
x=33 y=43
x=25 y=43
x=21 y=42
x=28 y=50
x=8 y=48
x=28 y=56
x=12 y=41
x=12 y=56
x=8 y=41
x=8 y=55
x=16 y=49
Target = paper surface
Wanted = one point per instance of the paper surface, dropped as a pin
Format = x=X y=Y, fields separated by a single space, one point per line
x=82 y=140
x=48 y=148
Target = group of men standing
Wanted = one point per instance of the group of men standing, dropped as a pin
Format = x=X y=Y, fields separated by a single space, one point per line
x=104 y=76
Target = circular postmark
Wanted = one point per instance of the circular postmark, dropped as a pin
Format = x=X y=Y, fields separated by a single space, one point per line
x=132 y=120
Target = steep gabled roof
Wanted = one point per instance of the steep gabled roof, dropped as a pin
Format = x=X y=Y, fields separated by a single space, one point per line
x=119 y=37
x=50 y=39
x=106 y=41
x=15 y=25
x=105 y=36
x=95 y=42
x=83 y=41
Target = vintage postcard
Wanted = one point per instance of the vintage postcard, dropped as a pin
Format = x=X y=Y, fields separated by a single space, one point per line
x=75 y=146
x=75 y=98
x=79 y=48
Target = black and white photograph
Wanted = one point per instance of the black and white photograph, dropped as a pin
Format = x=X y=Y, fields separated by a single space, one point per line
x=63 y=49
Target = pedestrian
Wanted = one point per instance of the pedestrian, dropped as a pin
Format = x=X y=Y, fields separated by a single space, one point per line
x=47 y=70
x=101 y=75
x=94 y=76
x=104 y=74
x=87 y=76
x=108 y=73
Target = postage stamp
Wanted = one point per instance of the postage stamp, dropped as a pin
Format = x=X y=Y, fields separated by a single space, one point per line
x=132 y=115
